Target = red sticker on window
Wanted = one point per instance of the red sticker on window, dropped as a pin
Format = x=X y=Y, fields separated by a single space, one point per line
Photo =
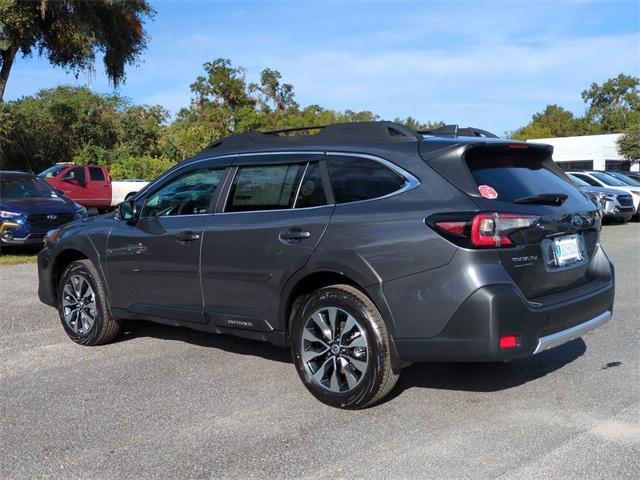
x=488 y=192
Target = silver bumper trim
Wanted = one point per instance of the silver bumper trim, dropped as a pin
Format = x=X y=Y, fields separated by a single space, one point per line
x=555 y=339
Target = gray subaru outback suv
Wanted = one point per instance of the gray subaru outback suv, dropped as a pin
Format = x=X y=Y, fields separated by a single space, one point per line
x=363 y=247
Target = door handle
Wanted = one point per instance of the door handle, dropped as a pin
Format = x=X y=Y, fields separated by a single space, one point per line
x=187 y=237
x=294 y=235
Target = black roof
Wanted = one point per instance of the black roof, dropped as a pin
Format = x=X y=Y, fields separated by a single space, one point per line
x=349 y=133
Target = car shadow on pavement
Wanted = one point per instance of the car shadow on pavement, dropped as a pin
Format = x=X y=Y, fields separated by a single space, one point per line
x=228 y=343
x=472 y=377
x=487 y=377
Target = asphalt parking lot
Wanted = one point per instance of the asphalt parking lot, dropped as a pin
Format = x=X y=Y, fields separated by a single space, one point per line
x=174 y=403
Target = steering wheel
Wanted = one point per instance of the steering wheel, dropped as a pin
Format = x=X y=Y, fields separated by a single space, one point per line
x=187 y=208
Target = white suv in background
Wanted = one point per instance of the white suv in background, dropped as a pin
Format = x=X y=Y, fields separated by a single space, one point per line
x=601 y=179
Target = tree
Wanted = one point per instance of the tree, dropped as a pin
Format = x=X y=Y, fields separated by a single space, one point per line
x=614 y=105
x=554 y=121
x=629 y=143
x=71 y=32
x=53 y=125
x=280 y=94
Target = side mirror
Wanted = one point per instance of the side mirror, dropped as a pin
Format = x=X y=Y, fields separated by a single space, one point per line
x=127 y=211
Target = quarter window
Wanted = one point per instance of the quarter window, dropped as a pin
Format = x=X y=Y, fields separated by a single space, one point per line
x=311 y=192
x=189 y=194
x=354 y=179
x=271 y=187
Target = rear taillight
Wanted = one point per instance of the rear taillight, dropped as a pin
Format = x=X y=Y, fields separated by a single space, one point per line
x=481 y=230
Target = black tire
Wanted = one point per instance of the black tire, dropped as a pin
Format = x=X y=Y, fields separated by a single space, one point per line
x=378 y=379
x=104 y=327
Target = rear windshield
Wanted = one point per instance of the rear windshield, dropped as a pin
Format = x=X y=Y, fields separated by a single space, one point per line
x=513 y=178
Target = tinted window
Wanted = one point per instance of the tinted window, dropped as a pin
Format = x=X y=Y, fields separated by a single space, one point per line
x=24 y=186
x=609 y=180
x=52 y=171
x=586 y=178
x=578 y=181
x=354 y=179
x=311 y=192
x=75 y=174
x=272 y=187
x=189 y=194
x=96 y=174
x=513 y=178
x=625 y=178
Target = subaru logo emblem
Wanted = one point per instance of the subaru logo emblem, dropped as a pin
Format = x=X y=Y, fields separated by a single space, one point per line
x=576 y=220
x=52 y=217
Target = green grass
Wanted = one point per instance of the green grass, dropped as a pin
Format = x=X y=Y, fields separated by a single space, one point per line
x=16 y=255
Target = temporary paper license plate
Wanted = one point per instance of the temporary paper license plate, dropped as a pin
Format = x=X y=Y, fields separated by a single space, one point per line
x=567 y=250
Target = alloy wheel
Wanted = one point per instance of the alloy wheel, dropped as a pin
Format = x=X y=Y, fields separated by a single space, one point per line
x=79 y=304
x=334 y=349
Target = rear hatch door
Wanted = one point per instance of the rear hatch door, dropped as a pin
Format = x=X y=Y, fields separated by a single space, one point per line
x=553 y=253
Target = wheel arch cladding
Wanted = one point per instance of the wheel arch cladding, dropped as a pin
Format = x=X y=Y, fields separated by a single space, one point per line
x=61 y=262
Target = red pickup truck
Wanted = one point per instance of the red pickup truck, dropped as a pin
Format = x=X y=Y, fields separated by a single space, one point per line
x=89 y=185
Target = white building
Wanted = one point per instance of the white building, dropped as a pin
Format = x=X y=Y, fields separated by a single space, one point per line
x=589 y=152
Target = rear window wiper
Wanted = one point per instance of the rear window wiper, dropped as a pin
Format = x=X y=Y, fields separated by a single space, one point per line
x=544 y=199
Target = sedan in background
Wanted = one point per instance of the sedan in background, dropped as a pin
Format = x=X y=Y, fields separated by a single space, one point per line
x=29 y=208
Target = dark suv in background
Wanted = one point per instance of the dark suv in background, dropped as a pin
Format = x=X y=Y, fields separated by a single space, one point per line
x=363 y=247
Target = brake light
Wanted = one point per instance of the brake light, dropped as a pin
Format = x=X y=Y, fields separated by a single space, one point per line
x=481 y=230
x=484 y=231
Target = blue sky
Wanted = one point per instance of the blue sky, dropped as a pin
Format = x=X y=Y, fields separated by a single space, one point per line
x=486 y=64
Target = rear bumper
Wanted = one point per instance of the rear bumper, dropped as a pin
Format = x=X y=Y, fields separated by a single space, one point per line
x=491 y=312
x=564 y=336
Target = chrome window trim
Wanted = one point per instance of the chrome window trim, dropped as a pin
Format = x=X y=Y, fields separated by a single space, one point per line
x=181 y=167
x=287 y=152
x=410 y=181
x=190 y=214
x=277 y=210
x=235 y=174
x=295 y=199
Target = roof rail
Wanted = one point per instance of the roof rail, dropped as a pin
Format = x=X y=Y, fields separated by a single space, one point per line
x=349 y=131
x=292 y=130
x=456 y=131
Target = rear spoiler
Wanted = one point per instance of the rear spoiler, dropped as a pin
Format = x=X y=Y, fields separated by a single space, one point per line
x=451 y=163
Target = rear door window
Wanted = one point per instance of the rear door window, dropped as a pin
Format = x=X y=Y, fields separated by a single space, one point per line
x=267 y=187
x=513 y=178
x=354 y=179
